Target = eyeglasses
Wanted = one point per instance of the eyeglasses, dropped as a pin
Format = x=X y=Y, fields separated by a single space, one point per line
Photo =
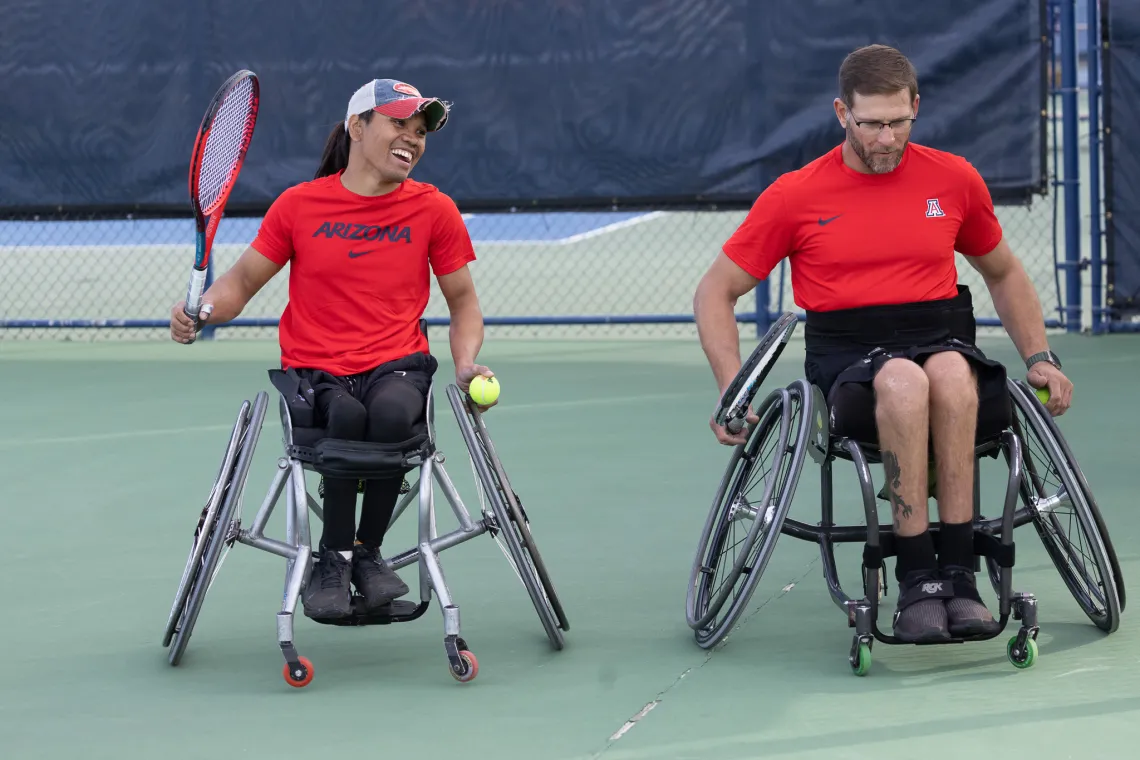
x=876 y=127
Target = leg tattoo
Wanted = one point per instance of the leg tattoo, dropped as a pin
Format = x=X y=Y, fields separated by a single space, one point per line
x=891 y=468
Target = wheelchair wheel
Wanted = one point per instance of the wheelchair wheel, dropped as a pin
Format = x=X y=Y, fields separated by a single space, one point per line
x=748 y=513
x=512 y=525
x=216 y=530
x=1064 y=513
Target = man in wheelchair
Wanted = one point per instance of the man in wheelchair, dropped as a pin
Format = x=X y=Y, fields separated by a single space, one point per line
x=870 y=230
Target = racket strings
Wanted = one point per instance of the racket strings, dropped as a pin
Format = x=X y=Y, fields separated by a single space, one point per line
x=225 y=145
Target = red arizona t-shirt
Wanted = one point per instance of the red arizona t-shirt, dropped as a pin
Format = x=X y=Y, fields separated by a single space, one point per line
x=359 y=270
x=856 y=239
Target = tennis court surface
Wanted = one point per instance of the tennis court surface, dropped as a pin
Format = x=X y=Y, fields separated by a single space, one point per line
x=111 y=448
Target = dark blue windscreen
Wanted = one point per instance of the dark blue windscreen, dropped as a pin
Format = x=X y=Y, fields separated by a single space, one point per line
x=1122 y=157
x=589 y=101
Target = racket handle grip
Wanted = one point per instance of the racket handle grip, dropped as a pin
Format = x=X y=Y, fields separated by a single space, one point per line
x=194 y=293
x=735 y=426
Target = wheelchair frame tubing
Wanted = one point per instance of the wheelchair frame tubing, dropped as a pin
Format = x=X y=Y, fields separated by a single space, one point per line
x=864 y=612
x=297 y=549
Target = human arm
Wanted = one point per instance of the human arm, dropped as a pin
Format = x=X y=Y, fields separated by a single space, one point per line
x=466 y=331
x=1019 y=308
x=225 y=299
x=450 y=252
x=981 y=240
x=748 y=256
x=714 y=309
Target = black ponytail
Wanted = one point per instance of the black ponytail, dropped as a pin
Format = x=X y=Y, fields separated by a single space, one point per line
x=335 y=157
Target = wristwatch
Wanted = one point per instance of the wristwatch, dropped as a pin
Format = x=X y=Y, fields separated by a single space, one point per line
x=1043 y=356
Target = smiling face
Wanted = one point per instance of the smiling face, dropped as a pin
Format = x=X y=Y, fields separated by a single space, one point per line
x=387 y=149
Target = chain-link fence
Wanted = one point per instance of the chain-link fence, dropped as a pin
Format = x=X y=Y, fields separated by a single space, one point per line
x=557 y=274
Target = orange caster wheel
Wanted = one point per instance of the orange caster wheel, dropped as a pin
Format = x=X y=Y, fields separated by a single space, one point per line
x=298 y=676
x=472 y=667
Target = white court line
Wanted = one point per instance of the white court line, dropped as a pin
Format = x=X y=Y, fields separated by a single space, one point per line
x=579 y=237
x=112 y=436
x=610 y=228
x=91 y=437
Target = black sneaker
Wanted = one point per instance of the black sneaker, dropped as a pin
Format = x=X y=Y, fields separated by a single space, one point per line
x=329 y=594
x=920 y=617
x=376 y=582
x=966 y=614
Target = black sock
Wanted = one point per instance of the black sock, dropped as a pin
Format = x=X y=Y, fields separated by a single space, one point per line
x=914 y=553
x=340 y=514
x=956 y=545
x=380 y=498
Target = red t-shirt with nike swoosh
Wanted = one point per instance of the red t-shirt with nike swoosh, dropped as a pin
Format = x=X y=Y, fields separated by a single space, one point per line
x=855 y=239
x=359 y=276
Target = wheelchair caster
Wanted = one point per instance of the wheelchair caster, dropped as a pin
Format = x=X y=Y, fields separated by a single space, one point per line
x=468 y=668
x=298 y=674
x=464 y=666
x=860 y=657
x=1022 y=654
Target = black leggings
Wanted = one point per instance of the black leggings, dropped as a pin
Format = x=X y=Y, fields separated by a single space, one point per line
x=384 y=409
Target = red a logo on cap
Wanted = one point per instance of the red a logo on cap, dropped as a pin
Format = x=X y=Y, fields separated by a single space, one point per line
x=406 y=89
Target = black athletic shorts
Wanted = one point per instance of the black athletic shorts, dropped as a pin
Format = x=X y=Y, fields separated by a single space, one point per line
x=847 y=348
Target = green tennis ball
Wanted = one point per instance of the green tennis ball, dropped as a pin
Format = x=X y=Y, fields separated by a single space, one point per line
x=484 y=390
x=1043 y=394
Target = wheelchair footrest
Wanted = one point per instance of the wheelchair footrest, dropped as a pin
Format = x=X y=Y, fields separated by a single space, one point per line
x=399 y=611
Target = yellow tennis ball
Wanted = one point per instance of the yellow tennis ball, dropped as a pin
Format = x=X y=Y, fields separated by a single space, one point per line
x=484 y=390
x=1043 y=394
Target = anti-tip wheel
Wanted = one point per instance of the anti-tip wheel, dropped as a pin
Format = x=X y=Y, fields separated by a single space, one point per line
x=1023 y=657
x=301 y=676
x=471 y=667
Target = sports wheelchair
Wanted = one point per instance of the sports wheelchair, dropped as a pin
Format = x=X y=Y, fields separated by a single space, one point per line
x=219 y=527
x=750 y=512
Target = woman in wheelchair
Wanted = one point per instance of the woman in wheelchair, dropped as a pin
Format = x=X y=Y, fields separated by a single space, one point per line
x=870 y=230
x=361 y=238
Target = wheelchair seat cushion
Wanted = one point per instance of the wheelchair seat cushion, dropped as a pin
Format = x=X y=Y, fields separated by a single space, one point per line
x=852 y=398
x=337 y=458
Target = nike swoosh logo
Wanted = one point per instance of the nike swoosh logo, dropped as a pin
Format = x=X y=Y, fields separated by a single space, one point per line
x=358 y=254
x=823 y=221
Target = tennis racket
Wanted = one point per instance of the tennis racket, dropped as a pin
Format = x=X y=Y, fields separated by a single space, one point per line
x=733 y=406
x=219 y=152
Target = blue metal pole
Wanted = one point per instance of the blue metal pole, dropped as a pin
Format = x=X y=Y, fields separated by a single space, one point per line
x=1094 y=160
x=763 y=302
x=1071 y=155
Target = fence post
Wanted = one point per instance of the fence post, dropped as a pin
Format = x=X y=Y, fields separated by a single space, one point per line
x=1092 y=7
x=1070 y=151
x=763 y=298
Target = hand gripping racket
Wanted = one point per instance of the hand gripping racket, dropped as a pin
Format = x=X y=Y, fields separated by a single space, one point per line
x=219 y=151
x=733 y=406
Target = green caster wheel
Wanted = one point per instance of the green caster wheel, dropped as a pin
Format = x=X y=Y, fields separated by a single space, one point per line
x=861 y=664
x=1026 y=657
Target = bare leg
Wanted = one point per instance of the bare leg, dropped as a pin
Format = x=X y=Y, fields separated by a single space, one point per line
x=953 y=423
x=901 y=413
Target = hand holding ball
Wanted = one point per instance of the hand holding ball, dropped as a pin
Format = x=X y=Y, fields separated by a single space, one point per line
x=1043 y=395
x=484 y=390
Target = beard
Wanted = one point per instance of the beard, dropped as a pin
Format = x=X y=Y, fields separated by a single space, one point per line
x=876 y=162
